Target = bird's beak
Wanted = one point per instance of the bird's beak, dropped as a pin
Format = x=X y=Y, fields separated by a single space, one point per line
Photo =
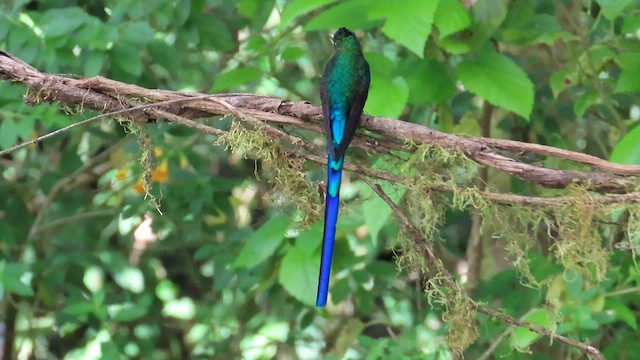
x=331 y=37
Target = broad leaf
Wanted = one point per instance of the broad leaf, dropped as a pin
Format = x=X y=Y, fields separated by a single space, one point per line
x=299 y=275
x=630 y=77
x=627 y=151
x=263 y=242
x=451 y=17
x=500 y=81
x=408 y=22
x=236 y=77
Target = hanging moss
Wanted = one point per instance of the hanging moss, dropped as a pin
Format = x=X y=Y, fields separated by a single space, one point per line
x=579 y=245
x=290 y=184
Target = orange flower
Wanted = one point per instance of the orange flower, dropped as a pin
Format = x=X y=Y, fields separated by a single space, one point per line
x=161 y=173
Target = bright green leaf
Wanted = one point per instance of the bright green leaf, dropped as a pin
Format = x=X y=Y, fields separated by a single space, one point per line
x=236 y=77
x=388 y=93
x=500 y=81
x=263 y=242
x=15 y=278
x=451 y=17
x=629 y=80
x=630 y=24
x=387 y=98
x=341 y=15
x=299 y=275
x=408 y=22
x=561 y=80
x=522 y=337
x=627 y=151
x=183 y=308
x=428 y=80
x=309 y=240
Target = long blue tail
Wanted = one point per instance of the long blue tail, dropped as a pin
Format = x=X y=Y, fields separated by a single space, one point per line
x=332 y=204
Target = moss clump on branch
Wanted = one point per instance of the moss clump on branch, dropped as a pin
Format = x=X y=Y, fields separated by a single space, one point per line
x=579 y=245
x=285 y=173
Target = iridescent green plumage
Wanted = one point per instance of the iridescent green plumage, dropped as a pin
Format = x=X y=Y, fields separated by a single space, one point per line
x=345 y=85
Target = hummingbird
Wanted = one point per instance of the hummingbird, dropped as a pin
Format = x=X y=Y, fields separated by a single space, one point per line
x=344 y=90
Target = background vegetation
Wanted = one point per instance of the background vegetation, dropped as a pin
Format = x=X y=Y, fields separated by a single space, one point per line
x=218 y=266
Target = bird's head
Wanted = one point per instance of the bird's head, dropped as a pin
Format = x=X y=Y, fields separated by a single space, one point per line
x=345 y=39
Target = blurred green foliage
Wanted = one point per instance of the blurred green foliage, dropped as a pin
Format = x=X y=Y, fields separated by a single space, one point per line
x=91 y=270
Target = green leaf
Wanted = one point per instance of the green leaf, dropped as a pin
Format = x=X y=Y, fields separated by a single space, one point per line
x=299 y=275
x=263 y=242
x=183 y=308
x=300 y=7
x=127 y=312
x=488 y=15
x=94 y=63
x=622 y=312
x=8 y=133
x=388 y=93
x=236 y=77
x=127 y=58
x=341 y=15
x=15 y=278
x=629 y=80
x=451 y=17
x=408 y=22
x=428 y=81
x=561 y=80
x=61 y=22
x=522 y=337
x=584 y=102
x=376 y=211
x=309 y=240
x=627 y=151
x=387 y=98
x=500 y=81
x=136 y=33
x=611 y=9
x=214 y=33
x=293 y=53
x=630 y=24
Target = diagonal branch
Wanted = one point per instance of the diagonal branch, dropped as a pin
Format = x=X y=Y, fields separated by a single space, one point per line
x=104 y=95
x=431 y=257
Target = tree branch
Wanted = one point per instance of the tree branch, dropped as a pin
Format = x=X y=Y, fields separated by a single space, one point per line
x=104 y=95
x=430 y=256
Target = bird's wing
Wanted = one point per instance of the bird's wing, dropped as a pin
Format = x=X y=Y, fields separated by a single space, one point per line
x=325 y=110
x=359 y=99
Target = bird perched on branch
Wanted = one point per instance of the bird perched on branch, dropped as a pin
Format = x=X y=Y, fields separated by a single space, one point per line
x=344 y=90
